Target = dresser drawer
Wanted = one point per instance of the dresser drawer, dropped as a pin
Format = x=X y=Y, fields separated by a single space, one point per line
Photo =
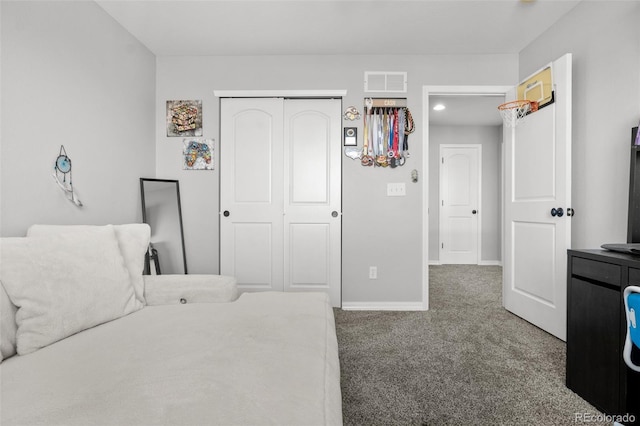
x=597 y=271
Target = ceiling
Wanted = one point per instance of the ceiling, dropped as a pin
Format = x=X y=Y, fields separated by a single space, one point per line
x=467 y=110
x=345 y=27
x=330 y=27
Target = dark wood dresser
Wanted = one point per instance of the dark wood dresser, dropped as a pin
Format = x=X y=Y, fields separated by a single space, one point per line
x=596 y=330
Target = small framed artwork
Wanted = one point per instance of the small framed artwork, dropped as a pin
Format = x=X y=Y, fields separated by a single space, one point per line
x=197 y=154
x=350 y=136
x=184 y=118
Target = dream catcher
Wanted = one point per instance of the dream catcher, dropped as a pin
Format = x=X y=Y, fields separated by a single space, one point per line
x=62 y=176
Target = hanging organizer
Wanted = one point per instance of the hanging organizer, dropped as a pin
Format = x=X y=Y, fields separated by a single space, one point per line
x=387 y=126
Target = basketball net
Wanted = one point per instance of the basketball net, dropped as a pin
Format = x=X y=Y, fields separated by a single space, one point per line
x=514 y=111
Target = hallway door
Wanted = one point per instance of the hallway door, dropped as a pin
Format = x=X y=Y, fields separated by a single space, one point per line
x=460 y=183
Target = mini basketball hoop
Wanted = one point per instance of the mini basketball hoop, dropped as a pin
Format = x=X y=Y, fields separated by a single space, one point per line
x=514 y=111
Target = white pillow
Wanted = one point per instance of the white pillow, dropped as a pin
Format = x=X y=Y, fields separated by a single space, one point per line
x=8 y=325
x=133 y=240
x=64 y=284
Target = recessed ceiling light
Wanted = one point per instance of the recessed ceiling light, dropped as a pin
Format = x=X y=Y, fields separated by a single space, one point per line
x=439 y=107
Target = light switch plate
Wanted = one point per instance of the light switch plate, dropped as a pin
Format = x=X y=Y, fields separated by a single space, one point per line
x=396 y=189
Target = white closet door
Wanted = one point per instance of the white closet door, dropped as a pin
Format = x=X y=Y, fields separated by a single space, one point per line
x=251 y=196
x=312 y=196
x=280 y=194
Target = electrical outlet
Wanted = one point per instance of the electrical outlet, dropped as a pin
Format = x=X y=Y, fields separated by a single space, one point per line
x=396 y=189
x=373 y=272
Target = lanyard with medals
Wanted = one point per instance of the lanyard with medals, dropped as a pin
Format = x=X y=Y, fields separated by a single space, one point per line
x=366 y=159
x=401 y=136
x=383 y=136
x=409 y=128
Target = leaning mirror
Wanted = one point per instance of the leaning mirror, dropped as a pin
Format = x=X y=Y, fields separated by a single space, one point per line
x=162 y=211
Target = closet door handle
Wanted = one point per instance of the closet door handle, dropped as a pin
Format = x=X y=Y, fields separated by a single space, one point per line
x=557 y=212
x=226 y=213
x=334 y=214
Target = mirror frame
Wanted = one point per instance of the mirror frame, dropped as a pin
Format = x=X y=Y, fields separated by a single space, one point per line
x=144 y=218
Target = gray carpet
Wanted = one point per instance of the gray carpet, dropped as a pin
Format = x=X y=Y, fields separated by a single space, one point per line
x=466 y=361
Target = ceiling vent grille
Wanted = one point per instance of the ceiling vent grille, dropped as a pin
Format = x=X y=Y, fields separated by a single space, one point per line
x=385 y=82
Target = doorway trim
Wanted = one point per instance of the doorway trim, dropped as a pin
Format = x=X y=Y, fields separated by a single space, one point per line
x=426 y=92
x=338 y=93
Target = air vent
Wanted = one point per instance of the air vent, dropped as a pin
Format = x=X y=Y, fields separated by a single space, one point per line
x=385 y=82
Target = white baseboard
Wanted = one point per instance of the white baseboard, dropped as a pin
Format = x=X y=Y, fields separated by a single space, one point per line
x=490 y=263
x=481 y=263
x=383 y=306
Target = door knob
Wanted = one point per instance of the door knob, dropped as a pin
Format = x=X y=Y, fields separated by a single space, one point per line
x=226 y=213
x=557 y=212
x=334 y=214
x=474 y=211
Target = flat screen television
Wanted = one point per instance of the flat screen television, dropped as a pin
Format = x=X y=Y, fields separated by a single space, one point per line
x=633 y=229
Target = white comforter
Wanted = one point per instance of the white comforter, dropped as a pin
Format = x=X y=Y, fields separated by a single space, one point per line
x=267 y=358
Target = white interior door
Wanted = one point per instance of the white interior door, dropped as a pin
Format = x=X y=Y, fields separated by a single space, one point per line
x=280 y=183
x=460 y=185
x=312 y=219
x=537 y=180
x=251 y=196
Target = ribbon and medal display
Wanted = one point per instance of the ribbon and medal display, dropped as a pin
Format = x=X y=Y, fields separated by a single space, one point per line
x=387 y=126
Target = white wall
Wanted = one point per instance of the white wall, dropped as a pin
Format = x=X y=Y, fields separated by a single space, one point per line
x=604 y=38
x=73 y=76
x=377 y=230
x=490 y=137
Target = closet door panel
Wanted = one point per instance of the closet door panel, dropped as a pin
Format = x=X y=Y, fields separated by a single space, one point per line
x=251 y=181
x=312 y=219
x=253 y=255
x=309 y=157
x=253 y=145
x=309 y=262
